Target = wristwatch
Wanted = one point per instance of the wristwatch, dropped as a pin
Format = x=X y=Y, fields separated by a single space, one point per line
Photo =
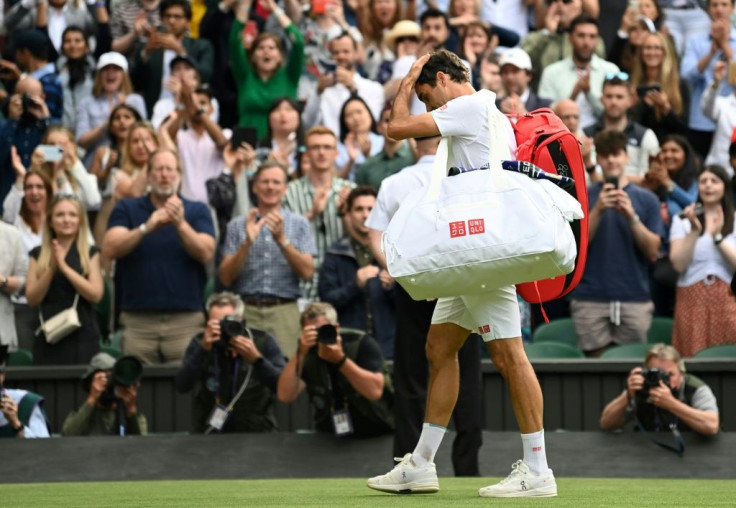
x=143 y=229
x=634 y=219
x=285 y=243
x=718 y=238
x=19 y=428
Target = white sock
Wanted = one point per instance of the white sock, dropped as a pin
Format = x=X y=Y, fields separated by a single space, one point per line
x=535 y=454
x=429 y=442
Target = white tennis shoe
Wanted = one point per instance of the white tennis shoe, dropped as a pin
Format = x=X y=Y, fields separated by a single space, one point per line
x=407 y=478
x=522 y=483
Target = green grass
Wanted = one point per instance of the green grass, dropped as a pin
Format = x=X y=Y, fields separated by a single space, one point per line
x=352 y=493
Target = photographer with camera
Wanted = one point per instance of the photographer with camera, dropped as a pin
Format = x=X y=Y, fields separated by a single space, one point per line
x=111 y=407
x=662 y=393
x=238 y=368
x=342 y=371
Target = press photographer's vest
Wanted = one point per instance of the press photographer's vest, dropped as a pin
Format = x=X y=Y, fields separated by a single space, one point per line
x=329 y=390
x=654 y=419
x=254 y=410
x=25 y=408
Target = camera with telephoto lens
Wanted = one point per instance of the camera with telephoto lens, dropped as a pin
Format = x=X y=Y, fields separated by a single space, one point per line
x=28 y=103
x=231 y=326
x=127 y=371
x=652 y=377
x=327 y=334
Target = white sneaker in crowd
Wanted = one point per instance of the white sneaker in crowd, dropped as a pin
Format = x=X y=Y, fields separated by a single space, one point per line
x=407 y=478
x=522 y=483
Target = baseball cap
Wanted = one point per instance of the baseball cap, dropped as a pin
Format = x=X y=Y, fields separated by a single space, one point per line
x=100 y=361
x=112 y=58
x=184 y=59
x=516 y=57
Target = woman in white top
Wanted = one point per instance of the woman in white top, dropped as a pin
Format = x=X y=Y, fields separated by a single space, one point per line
x=703 y=251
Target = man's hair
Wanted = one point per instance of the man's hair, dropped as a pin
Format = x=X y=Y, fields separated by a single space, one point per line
x=184 y=4
x=665 y=352
x=359 y=191
x=225 y=298
x=317 y=309
x=269 y=164
x=342 y=35
x=732 y=147
x=443 y=61
x=320 y=130
x=204 y=89
x=583 y=19
x=616 y=81
x=434 y=13
x=164 y=149
x=610 y=142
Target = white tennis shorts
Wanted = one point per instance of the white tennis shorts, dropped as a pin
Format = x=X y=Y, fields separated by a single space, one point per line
x=492 y=315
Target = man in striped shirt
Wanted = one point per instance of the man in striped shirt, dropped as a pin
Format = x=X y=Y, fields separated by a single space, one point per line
x=319 y=196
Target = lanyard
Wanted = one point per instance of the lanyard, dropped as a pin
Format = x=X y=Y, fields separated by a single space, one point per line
x=236 y=372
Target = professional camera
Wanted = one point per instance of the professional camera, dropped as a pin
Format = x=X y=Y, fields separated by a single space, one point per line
x=231 y=326
x=652 y=377
x=127 y=371
x=327 y=334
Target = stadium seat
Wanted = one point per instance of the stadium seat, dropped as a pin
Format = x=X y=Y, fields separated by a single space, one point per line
x=20 y=358
x=627 y=351
x=209 y=288
x=661 y=330
x=540 y=350
x=558 y=330
x=111 y=350
x=116 y=340
x=724 y=351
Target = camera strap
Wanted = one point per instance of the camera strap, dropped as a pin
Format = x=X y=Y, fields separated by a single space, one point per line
x=678 y=448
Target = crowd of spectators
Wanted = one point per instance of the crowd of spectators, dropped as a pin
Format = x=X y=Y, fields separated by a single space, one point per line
x=266 y=114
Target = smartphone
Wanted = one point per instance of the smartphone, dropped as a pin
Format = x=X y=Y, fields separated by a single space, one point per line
x=613 y=180
x=244 y=135
x=319 y=6
x=163 y=29
x=250 y=32
x=51 y=153
x=642 y=90
x=327 y=334
x=732 y=73
x=328 y=66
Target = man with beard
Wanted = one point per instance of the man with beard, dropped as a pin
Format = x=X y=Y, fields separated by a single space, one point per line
x=162 y=243
x=580 y=77
x=516 y=74
x=24 y=127
x=344 y=82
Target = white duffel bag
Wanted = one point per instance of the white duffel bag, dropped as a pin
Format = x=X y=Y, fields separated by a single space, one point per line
x=480 y=230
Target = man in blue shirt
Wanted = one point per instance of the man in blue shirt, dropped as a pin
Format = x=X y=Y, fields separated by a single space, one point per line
x=700 y=57
x=162 y=243
x=612 y=303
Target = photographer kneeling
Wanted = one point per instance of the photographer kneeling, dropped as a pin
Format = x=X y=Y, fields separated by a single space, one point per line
x=238 y=368
x=662 y=393
x=343 y=374
x=112 y=401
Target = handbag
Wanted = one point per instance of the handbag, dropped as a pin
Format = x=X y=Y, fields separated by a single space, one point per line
x=480 y=230
x=61 y=325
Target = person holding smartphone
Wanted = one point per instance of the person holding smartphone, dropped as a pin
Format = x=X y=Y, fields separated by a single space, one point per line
x=612 y=304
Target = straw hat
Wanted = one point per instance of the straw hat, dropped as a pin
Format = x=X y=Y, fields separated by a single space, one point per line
x=403 y=28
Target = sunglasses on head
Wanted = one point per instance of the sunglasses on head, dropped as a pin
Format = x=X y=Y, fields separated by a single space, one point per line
x=566 y=2
x=616 y=76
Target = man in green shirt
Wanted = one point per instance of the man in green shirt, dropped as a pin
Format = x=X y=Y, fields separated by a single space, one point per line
x=395 y=156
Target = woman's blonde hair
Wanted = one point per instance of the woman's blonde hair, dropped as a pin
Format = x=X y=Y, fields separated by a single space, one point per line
x=82 y=240
x=669 y=74
x=126 y=163
x=126 y=86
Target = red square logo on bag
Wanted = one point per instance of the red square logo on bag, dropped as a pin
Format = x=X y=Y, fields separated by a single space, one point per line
x=457 y=229
x=484 y=329
x=476 y=226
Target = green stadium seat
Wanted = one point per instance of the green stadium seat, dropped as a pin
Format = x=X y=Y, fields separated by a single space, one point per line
x=540 y=350
x=558 y=330
x=111 y=350
x=627 y=351
x=661 y=330
x=116 y=339
x=726 y=351
x=209 y=288
x=20 y=358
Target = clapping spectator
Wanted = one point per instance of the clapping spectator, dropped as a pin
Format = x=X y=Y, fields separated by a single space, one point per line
x=359 y=138
x=134 y=20
x=13 y=269
x=673 y=176
x=164 y=43
x=132 y=179
x=65 y=272
x=107 y=158
x=23 y=128
x=721 y=110
x=703 y=250
x=490 y=74
x=111 y=87
x=375 y=18
x=664 y=99
x=516 y=74
x=402 y=40
x=635 y=26
x=285 y=136
x=76 y=71
x=260 y=68
x=475 y=42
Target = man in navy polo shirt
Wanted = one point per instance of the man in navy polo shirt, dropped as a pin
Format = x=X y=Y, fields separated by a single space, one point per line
x=612 y=304
x=162 y=243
